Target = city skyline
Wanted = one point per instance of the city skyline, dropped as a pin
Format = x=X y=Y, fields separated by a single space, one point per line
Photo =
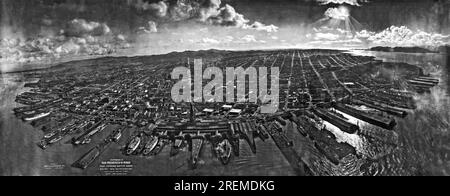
x=50 y=30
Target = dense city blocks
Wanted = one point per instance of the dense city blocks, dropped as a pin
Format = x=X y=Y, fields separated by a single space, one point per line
x=321 y=93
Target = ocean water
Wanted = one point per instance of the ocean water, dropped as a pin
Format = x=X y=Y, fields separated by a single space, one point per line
x=424 y=136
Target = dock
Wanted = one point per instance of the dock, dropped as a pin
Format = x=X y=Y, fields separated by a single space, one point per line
x=374 y=119
x=384 y=108
x=338 y=121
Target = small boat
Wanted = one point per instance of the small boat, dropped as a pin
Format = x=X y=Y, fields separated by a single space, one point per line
x=151 y=145
x=43 y=145
x=116 y=136
x=86 y=141
x=134 y=144
x=49 y=135
x=223 y=151
x=76 y=142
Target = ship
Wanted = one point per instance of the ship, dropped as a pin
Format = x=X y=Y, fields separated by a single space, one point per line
x=116 y=136
x=86 y=138
x=56 y=139
x=27 y=114
x=246 y=132
x=96 y=130
x=428 y=79
x=372 y=118
x=50 y=135
x=262 y=133
x=76 y=142
x=223 y=151
x=337 y=120
x=87 y=159
x=197 y=145
x=176 y=148
x=159 y=147
x=134 y=144
x=38 y=116
x=151 y=145
x=249 y=130
x=235 y=145
x=381 y=107
x=422 y=83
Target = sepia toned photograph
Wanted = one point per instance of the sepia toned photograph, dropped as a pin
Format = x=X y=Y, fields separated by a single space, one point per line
x=259 y=88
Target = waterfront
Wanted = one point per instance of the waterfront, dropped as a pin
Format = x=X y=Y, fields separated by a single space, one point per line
x=425 y=134
x=421 y=138
x=24 y=157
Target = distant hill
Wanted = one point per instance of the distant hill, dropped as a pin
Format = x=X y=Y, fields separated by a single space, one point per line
x=402 y=49
x=444 y=49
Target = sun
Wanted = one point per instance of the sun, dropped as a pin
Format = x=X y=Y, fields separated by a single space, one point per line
x=339 y=13
x=339 y=18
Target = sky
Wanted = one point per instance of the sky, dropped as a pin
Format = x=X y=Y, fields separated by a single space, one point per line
x=46 y=30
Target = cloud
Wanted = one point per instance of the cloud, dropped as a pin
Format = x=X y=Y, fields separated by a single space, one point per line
x=181 y=11
x=248 y=39
x=150 y=28
x=227 y=40
x=203 y=11
x=340 y=13
x=403 y=36
x=81 y=27
x=326 y=36
x=121 y=38
x=159 y=9
x=210 y=41
x=216 y=41
x=393 y=36
x=78 y=38
x=210 y=8
x=227 y=16
x=261 y=27
x=69 y=47
x=344 y=42
x=364 y=34
x=350 y=2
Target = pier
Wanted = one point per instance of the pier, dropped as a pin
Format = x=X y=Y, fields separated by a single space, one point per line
x=316 y=87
